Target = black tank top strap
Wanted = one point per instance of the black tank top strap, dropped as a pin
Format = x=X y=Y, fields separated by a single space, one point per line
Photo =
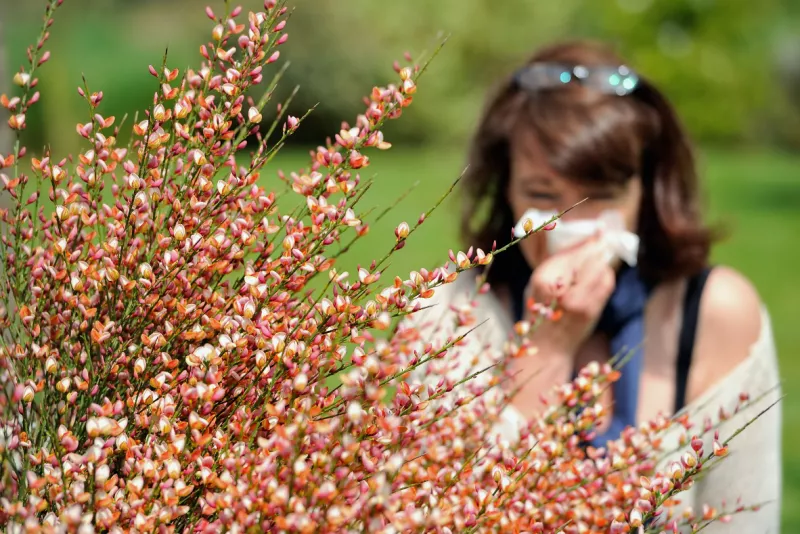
x=688 y=333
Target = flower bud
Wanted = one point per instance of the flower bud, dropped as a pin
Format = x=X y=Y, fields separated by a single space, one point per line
x=300 y=383
x=102 y=473
x=134 y=182
x=141 y=127
x=96 y=426
x=232 y=75
x=675 y=471
x=63 y=385
x=383 y=321
x=201 y=354
x=22 y=79
x=334 y=516
x=179 y=232
x=173 y=468
x=617 y=527
x=372 y=365
x=483 y=258
x=164 y=425
x=402 y=230
x=181 y=110
x=159 y=113
x=196 y=422
x=253 y=115
x=354 y=412
x=112 y=274
x=17 y=122
x=217 y=32
x=635 y=518
x=136 y=485
x=60 y=246
x=145 y=270
x=497 y=473
x=527 y=225
x=223 y=187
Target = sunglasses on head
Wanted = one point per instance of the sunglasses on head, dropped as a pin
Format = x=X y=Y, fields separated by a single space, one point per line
x=615 y=80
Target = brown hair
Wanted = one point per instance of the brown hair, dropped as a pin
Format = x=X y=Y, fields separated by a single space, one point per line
x=590 y=135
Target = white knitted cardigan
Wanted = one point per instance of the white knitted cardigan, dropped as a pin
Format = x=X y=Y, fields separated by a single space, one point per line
x=750 y=475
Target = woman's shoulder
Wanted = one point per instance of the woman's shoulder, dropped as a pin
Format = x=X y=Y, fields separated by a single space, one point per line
x=458 y=309
x=462 y=294
x=732 y=329
x=731 y=304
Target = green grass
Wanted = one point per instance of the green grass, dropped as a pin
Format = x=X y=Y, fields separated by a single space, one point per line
x=755 y=193
x=760 y=194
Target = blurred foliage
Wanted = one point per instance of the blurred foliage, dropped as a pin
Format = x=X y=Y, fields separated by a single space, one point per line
x=718 y=60
x=732 y=67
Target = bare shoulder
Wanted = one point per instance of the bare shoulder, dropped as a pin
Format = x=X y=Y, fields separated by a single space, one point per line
x=728 y=326
x=730 y=306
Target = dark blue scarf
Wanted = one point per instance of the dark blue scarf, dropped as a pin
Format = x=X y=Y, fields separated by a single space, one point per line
x=622 y=321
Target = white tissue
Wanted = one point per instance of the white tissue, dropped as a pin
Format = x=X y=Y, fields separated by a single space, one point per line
x=620 y=242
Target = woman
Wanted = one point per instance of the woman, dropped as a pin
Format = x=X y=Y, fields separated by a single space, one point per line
x=575 y=123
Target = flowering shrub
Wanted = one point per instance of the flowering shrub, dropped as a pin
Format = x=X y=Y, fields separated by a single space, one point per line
x=168 y=363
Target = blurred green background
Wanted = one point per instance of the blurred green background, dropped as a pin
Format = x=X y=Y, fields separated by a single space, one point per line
x=732 y=68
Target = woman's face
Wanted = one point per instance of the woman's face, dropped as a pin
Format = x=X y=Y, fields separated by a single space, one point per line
x=534 y=184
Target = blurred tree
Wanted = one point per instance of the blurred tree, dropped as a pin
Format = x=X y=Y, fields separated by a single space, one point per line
x=729 y=65
x=714 y=58
x=784 y=116
x=340 y=59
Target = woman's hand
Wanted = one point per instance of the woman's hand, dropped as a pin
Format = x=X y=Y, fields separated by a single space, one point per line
x=580 y=280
